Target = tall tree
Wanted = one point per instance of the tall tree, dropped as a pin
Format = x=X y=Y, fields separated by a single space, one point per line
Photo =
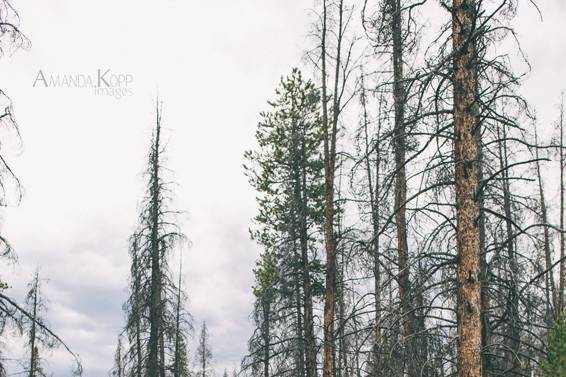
x=466 y=153
x=204 y=353
x=179 y=364
x=151 y=307
x=336 y=55
x=286 y=170
x=118 y=370
x=562 y=270
x=37 y=337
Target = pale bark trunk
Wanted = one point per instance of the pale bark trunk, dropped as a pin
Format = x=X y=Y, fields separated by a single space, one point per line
x=467 y=208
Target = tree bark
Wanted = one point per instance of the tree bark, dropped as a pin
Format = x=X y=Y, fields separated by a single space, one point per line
x=467 y=208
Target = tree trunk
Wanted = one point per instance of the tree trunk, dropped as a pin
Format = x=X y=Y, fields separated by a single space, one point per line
x=550 y=290
x=513 y=332
x=374 y=206
x=33 y=351
x=401 y=190
x=155 y=314
x=562 y=272
x=266 y=339
x=467 y=208
x=328 y=324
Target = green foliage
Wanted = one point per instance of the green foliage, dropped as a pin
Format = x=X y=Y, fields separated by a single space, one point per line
x=288 y=134
x=555 y=364
x=265 y=274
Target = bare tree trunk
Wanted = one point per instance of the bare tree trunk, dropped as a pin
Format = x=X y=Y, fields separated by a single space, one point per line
x=484 y=267
x=266 y=339
x=513 y=332
x=300 y=199
x=156 y=295
x=330 y=125
x=299 y=331
x=401 y=190
x=467 y=208
x=33 y=352
x=562 y=280
x=328 y=362
x=551 y=298
x=137 y=308
x=310 y=343
x=374 y=206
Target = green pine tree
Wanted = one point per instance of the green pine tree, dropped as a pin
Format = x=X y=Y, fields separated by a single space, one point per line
x=555 y=364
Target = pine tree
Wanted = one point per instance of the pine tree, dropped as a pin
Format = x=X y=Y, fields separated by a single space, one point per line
x=555 y=363
x=180 y=365
x=118 y=370
x=204 y=353
x=37 y=336
x=286 y=170
x=154 y=300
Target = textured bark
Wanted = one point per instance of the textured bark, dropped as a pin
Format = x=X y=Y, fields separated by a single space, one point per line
x=467 y=208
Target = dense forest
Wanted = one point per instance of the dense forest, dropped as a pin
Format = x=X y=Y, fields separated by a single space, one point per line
x=410 y=212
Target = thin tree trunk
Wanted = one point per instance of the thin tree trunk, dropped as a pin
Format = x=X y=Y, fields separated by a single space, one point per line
x=266 y=335
x=33 y=353
x=374 y=200
x=155 y=314
x=137 y=309
x=178 y=323
x=401 y=190
x=484 y=267
x=328 y=357
x=513 y=333
x=562 y=272
x=330 y=134
x=467 y=207
x=310 y=343
x=551 y=298
x=300 y=199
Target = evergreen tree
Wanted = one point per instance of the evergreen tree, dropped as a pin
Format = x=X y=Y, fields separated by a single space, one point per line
x=555 y=363
x=204 y=354
x=37 y=337
x=154 y=304
x=287 y=171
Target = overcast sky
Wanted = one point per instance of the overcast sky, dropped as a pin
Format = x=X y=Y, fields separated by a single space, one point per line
x=214 y=64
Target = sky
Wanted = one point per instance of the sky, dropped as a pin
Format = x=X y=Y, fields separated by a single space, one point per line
x=214 y=64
